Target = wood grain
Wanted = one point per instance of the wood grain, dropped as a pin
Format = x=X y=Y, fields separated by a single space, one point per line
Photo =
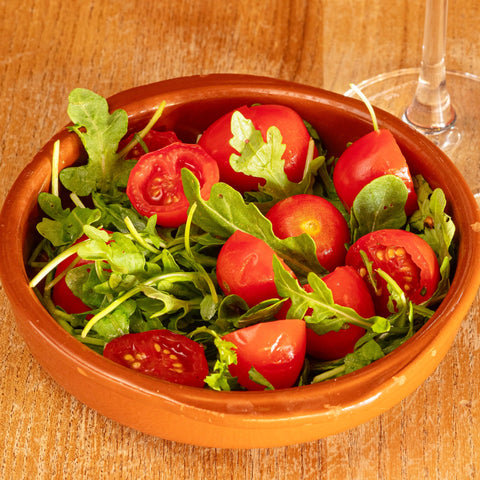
x=47 y=48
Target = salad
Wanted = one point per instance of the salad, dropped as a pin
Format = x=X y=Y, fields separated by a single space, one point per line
x=251 y=259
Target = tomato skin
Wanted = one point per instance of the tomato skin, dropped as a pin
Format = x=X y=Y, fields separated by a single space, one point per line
x=155 y=182
x=406 y=257
x=372 y=156
x=275 y=349
x=245 y=268
x=154 y=140
x=62 y=296
x=349 y=290
x=317 y=217
x=295 y=136
x=162 y=354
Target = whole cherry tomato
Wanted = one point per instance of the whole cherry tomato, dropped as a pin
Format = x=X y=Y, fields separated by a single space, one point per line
x=161 y=353
x=275 y=349
x=62 y=296
x=317 y=217
x=406 y=257
x=295 y=136
x=245 y=268
x=348 y=290
x=154 y=140
x=372 y=156
x=155 y=182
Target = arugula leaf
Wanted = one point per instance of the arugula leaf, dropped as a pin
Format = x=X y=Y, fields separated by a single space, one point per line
x=65 y=226
x=100 y=133
x=226 y=212
x=264 y=160
x=325 y=314
x=380 y=204
x=220 y=378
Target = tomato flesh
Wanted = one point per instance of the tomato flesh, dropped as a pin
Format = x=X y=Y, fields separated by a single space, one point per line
x=406 y=257
x=295 y=136
x=162 y=354
x=373 y=155
x=155 y=182
x=349 y=290
x=318 y=218
x=245 y=268
x=275 y=349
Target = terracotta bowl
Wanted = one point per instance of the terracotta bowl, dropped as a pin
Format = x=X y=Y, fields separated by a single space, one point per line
x=239 y=419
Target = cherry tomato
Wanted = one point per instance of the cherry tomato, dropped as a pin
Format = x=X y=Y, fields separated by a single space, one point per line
x=349 y=290
x=245 y=268
x=317 y=217
x=161 y=353
x=295 y=136
x=62 y=296
x=406 y=257
x=372 y=156
x=155 y=182
x=154 y=140
x=275 y=349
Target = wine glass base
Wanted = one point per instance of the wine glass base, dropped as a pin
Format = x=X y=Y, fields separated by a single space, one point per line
x=394 y=91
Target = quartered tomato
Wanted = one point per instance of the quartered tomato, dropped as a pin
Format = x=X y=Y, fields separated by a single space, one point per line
x=275 y=349
x=155 y=182
x=245 y=268
x=348 y=290
x=318 y=218
x=372 y=156
x=295 y=136
x=406 y=257
x=154 y=140
x=161 y=353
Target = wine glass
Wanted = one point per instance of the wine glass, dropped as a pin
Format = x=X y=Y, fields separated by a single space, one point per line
x=438 y=103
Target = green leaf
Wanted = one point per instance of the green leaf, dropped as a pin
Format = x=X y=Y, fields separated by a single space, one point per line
x=100 y=133
x=380 y=204
x=261 y=159
x=226 y=212
x=65 y=225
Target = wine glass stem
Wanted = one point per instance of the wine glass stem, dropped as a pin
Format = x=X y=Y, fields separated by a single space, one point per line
x=431 y=108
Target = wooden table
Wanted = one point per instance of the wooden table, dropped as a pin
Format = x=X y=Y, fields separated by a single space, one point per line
x=49 y=47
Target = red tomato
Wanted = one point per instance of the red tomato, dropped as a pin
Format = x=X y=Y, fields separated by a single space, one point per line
x=406 y=257
x=245 y=268
x=372 y=156
x=349 y=290
x=155 y=182
x=275 y=349
x=317 y=217
x=295 y=136
x=154 y=140
x=62 y=296
x=161 y=353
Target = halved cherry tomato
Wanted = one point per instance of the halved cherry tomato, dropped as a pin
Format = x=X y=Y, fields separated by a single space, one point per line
x=155 y=182
x=275 y=349
x=154 y=140
x=406 y=257
x=317 y=217
x=349 y=290
x=295 y=136
x=372 y=156
x=161 y=353
x=245 y=268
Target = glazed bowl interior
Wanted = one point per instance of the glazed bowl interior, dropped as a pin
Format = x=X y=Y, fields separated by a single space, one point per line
x=238 y=419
